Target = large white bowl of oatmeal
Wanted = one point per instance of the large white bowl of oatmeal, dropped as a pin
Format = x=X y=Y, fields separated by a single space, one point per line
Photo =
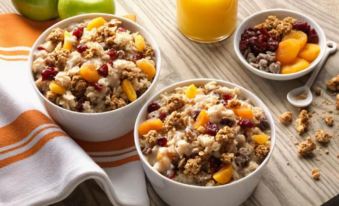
x=94 y=72
x=204 y=142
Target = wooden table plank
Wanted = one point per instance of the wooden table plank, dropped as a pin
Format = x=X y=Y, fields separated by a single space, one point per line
x=287 y=178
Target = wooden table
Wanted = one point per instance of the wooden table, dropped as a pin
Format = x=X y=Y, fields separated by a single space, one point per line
x=287 y=179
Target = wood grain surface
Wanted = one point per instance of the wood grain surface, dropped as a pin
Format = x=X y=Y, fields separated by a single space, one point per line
x=287 y=179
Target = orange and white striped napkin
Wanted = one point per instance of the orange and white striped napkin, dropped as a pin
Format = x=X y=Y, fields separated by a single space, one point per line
x=39 y=163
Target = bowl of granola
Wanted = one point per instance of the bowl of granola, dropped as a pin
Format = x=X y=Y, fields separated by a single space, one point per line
x=280 y=44
x=93 y=72
x=203 y=140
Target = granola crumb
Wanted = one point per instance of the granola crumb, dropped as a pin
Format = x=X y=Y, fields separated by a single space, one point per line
x=337 y=102
x=261 y=151
x=333 y=84
x=329 y=121
x=286 y=118
x=175 y=103
x=306 y=147
x=327 y=152
x=227 y=158
x=193 y=166
x=315 y=173
x=317 y=91
x=225 y=135
x=302 y=122
x=338 y=155
x=287 y=163
x=322 y=137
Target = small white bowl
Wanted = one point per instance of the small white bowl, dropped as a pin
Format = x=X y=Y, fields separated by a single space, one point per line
x=280 y=13
x=96 y=126
x=179 y=194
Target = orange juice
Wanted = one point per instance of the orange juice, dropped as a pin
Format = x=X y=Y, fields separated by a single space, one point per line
x=207 y=20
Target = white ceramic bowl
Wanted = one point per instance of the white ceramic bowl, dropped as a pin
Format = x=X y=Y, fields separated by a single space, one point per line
x=280 y=13
x=97 y=126
x=179 y=194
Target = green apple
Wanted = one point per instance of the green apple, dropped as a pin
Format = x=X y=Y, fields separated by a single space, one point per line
x=69 y=8
x=39 y=10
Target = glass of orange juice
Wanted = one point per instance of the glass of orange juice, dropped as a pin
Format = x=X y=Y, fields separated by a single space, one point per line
x=207 y=21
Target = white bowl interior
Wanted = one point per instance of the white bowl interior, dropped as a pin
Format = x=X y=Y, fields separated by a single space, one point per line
x=253 y=98
x=280 y=13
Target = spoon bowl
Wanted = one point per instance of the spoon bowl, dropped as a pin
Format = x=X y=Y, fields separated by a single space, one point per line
x=300 y=97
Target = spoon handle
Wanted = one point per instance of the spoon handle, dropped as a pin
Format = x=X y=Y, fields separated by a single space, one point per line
x=331 y=47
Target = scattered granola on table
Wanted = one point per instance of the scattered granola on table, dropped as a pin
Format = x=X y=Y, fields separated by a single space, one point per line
x=329 y=121
x=213 y=136
x=93 y=66
x=286 y=118
x=322 y=137
x=315 y=174
x=302 y=122
x=337 y=101
x=306 y=147
x=333 y=84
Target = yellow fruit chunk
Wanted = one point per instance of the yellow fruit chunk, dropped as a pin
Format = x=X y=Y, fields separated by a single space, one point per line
x=129 y=90
x=310 y=52
x=151 y=124
x=67 y=42
x=191 y=91
x=288 y=51
x=244 y=112
x=56 y=88
x=131 y=17
x=139 y=42
x=202 y=119
x=224 y=175
x=260 y=138
x=296 y=66
x=147 y=67
x=89 y=73
x=96 y=23
x=300 y=36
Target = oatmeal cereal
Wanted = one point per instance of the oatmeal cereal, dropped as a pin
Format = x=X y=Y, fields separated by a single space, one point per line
x=204 y=135
x=329 y=121
x=301 y=124
x=96 y=65
x=322 y=137
x=306 y=147
x=333 y=84
x=315 y=174
x=286 y=118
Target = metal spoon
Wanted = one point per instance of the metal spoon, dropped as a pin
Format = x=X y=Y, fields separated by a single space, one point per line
x=302 y=96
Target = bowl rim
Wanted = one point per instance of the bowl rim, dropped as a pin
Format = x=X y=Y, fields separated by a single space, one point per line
x=264 y=74
x=171 y=87
x=78 y=19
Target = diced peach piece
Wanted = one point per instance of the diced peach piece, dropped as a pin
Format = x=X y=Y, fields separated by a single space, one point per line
x=129 y=90
x=139 y=42
x=202 y=119
x=96 y=23
x=260 y=138
x=244 y=112
x=191 y=91
x=224 y=175
x=147 y=67
x=151 y=124
x=131 y=17
x=296 y=66
x=89 y=73
x=56 y=88
x=288 y=51
x=67 y=42
x=300 y=36
x=310 y=52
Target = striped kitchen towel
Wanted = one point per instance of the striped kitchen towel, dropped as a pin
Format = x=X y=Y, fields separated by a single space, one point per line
x=39 y=163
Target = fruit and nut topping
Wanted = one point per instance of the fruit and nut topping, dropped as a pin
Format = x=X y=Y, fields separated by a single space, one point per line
x=204 y=134
x=280 y=46
x=96 y=65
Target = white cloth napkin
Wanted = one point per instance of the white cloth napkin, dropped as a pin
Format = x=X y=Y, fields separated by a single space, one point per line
x=39 y=163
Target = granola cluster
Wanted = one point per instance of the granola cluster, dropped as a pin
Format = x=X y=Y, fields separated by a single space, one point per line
x=93 y=66
x=277 y=27
x=204 y=134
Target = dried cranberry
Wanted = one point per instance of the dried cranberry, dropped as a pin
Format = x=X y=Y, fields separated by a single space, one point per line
x=78 y=32
x=112 y=54
x=103 y=70
x=246 y=123
x=263 y=125
x=49 y=73
x=79 y=106
x=227 y=122
x=120 y=29
x=81 y=48
x=302 y=26
x=171 y=174
x=313 y=37
x=137 y=56
x=97 y=86
x=211 y=128
x=226 y=97
x=41 y=48
x=195 y=114
x=214 y=164
x=162 y=142
x=153 y=107
x=162 y=115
